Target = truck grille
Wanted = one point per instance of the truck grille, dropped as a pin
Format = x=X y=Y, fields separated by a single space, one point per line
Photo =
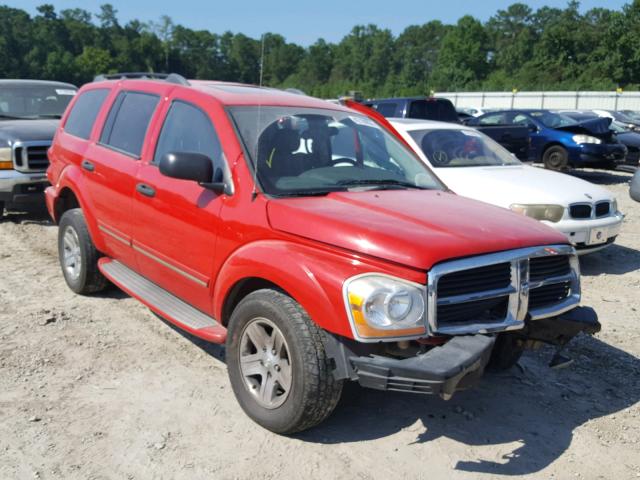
x=31 y=156
x=495 y=292
x=549 y=295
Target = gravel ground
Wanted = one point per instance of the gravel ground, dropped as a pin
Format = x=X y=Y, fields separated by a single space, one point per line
x=100 y=388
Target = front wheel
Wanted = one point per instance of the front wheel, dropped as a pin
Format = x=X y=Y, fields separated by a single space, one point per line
x=556 y=158
x=1 y=210
x=277 y=364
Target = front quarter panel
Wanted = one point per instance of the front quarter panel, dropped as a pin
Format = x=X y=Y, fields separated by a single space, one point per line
x=312 y=275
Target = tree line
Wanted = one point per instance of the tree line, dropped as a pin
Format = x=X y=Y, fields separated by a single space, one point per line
x=517 y=48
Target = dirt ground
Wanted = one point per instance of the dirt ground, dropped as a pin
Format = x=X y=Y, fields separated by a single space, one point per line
x=100 y=388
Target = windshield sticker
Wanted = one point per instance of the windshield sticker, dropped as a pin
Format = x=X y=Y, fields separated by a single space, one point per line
x=63 y=91
x=367 y=122
x=471 y=133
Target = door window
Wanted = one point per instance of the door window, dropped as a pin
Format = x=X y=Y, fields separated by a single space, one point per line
x=188 y=129
x=493 y=119
x=84 y=112
x=128 y=120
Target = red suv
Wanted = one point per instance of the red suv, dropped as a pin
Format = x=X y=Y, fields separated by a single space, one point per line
x=305 y=236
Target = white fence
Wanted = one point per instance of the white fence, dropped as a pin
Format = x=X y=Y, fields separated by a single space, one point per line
x=552 y=100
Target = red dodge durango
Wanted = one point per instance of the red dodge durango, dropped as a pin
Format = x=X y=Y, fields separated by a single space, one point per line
x=306 y=237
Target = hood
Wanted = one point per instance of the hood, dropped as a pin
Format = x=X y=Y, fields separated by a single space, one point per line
x=27 y=130
x=505 y=185
x=598 y=127
x=410 y=227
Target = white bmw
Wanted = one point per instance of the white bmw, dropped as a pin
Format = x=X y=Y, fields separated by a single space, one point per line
x=473 y=165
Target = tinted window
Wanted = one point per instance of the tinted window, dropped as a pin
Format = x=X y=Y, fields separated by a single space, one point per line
x=128 y=120
x=84 y=112
x=387 y=109
x=188 y=129
x=433 y=109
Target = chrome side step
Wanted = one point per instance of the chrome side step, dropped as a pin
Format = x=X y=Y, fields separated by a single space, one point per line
x=162 y=302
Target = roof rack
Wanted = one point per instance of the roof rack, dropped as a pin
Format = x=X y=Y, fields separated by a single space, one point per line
x=167 y=77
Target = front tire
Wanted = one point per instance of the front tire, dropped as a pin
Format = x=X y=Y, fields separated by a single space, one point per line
x=506 y=352
x=556 y=158
x=78 y=255
x=1 y=210
x=277 y=364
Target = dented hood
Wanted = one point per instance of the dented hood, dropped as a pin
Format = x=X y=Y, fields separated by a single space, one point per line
x=410 y=227
x=597 y=126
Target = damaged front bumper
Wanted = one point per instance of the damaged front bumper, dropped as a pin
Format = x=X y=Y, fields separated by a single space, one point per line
x=456 y=365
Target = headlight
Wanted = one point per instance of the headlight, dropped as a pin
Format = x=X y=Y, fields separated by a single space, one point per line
x=586 y=139
x=5 y=159
x=551 y=213
x=380 y=306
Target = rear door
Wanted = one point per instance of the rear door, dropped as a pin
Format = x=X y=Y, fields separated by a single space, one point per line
x=110 y=166
x=178 y=220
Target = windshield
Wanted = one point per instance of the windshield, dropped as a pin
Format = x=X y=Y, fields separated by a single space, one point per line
x=34 y=101
x=304 y=151
x=553 y=120
x=461 y=148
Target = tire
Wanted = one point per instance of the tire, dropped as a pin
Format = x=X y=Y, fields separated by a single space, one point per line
x=506 y=352
x=1 y=210
x=556 y=158
x=78 y=255
x=308 y=393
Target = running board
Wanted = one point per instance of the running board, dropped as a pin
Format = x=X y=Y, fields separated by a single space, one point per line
x=163 y=303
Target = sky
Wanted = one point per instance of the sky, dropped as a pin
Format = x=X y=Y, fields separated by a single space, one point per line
x=299 y=21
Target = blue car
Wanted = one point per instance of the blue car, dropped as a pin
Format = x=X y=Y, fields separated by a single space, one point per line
x=560 y=142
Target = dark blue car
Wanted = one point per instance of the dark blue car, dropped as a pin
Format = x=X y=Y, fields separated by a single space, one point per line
x=560 y=141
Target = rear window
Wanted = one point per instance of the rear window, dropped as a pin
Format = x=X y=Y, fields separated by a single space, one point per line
x=128 y=120
x=387 y=109
x=84 y=112
x=432 y=109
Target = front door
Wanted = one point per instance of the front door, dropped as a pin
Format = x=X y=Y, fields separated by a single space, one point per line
x=177 y=221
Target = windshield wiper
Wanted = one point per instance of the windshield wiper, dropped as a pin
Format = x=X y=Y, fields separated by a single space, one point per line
x=304 y=193
x=10 y=117
x=388 y=183
x=49 y=115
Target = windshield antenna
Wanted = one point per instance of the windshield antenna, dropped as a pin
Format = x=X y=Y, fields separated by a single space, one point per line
x=254 y=194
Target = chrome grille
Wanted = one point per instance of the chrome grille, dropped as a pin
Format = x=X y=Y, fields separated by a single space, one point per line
x=31 y=156
x=495 y=292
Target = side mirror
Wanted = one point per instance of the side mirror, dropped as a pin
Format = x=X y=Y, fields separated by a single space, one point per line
x=533 y=128
x=190 y=166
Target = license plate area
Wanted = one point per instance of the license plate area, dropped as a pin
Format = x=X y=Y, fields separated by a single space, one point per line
x=598 y=236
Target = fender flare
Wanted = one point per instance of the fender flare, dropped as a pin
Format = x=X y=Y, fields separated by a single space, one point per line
x=311 y=275
x=72 y=178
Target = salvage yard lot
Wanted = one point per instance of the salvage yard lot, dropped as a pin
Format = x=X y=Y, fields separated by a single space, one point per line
x=98 y=387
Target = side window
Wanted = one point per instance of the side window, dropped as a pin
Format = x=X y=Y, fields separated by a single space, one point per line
x=493 y=119
x=128 y=120
x=84 y=113
x=387 y=109
x=521 y=119
x=188 y=129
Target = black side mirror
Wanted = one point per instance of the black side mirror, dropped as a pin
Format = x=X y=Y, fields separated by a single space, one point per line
x=190 y=166
x=533 y=128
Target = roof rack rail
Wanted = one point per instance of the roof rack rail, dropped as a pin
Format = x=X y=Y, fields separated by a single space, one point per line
x=167 y=77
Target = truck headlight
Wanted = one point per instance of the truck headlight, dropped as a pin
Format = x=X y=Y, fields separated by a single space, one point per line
x=5 y=159
x=551 y=213
x=380 y=306
x=586 y=139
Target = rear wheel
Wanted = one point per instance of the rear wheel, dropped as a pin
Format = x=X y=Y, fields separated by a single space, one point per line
x=278 y=368
x=1 y=210
x=556 y=158
x=78 y=255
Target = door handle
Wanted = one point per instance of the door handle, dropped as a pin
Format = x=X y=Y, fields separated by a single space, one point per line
x=88 y=166
x=146 y=190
